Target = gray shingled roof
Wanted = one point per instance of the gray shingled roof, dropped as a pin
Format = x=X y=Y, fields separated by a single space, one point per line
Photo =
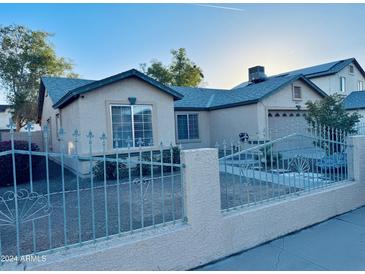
x=202 y=98
x=323 y=69
x=355 y=100
x=193 y=98
x=72 y=94
x=320 y=70
x=4 y=107
x=57 y=87
x=62 y=90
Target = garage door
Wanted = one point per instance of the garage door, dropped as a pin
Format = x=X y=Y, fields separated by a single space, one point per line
x=284 y=122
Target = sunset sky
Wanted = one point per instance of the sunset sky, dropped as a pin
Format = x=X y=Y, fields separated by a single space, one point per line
x=224 y=40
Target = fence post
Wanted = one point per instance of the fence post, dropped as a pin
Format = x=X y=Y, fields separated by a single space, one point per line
x=356 y=158
x=201 y=185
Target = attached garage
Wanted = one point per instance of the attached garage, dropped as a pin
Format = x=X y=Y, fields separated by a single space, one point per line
x=285 y=122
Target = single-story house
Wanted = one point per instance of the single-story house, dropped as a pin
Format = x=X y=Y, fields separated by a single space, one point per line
x=131 y=105
x=133 y=109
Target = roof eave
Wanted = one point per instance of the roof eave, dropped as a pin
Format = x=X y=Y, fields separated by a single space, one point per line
x=243 y=103
x=191 y=109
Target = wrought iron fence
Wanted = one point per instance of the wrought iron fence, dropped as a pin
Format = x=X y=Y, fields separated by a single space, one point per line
x=51 y=200
x=287 y=166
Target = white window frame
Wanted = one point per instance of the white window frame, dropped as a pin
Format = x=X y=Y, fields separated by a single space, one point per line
x=297 y=98
x=343 y=84
x=360 y=85
x=132 y=121
x=177 y=128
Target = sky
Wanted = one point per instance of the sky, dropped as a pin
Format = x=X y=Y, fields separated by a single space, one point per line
x=223 y=39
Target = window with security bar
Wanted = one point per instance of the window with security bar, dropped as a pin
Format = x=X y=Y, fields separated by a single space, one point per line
x=187 y=126
x=131 y=124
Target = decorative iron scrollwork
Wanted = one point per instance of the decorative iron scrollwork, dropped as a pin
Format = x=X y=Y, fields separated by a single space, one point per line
x=299 y=164
x=31 y=206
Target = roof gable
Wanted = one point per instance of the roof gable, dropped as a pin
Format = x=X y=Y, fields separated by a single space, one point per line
x=57 y=87
x=74 y=93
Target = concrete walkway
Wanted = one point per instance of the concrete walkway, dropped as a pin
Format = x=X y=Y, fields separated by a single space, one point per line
x=336 y=244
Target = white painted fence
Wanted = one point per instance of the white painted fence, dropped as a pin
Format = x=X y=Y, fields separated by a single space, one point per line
x=209 y=234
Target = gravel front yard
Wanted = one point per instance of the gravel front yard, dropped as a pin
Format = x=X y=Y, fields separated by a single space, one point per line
x=151 y=198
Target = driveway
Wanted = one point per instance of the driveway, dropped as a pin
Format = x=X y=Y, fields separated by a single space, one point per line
x=336 y=244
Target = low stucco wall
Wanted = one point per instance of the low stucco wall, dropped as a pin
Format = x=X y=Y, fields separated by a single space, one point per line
x=209 y=234
x=187 y=246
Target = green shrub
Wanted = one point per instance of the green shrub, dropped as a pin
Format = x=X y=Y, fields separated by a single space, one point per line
x=156 y=158
x=111 y=170
x=21 y=163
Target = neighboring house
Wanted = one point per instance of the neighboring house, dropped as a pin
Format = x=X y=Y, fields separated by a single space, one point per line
x=343 y=76
x=5 y=115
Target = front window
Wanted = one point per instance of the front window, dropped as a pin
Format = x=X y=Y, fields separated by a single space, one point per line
x=132 y=125
x=187 y=126
x=343 y=84
x=360 y=85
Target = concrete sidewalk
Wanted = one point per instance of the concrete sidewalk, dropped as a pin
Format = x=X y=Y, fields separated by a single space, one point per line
x=336 y=244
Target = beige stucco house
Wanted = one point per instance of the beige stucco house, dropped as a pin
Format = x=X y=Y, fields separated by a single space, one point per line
x=132 y=109
x=127 y=107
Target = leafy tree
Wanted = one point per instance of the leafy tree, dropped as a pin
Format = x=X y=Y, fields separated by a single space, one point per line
x=181 y=72
x=25 y=56
x=330 y=114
